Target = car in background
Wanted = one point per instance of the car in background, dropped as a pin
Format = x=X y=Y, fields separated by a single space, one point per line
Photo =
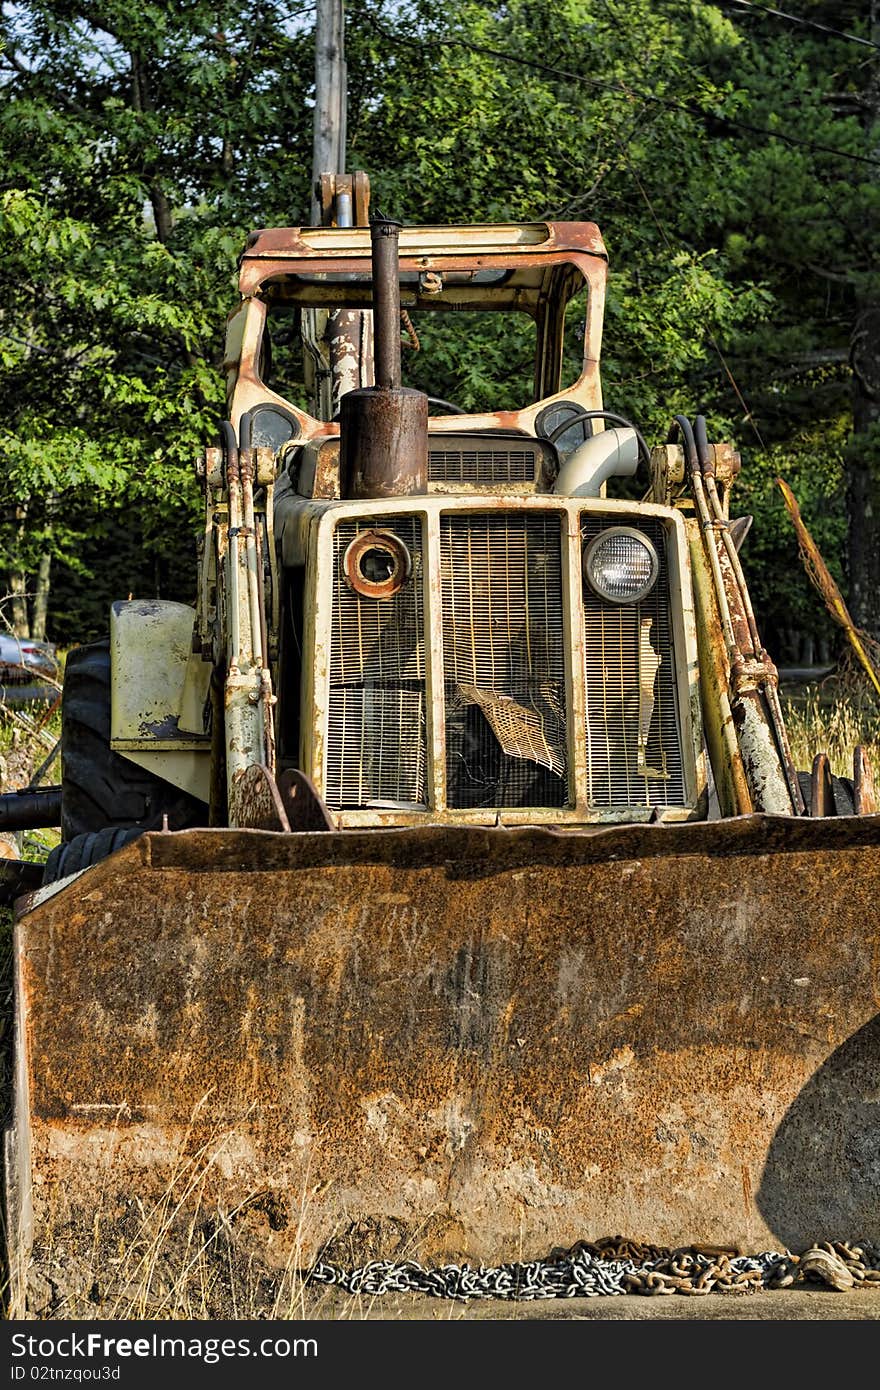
x=24 y=660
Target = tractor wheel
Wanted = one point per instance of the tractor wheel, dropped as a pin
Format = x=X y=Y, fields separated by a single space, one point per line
x=99 y=788
x=85 y=850
x=842 y=793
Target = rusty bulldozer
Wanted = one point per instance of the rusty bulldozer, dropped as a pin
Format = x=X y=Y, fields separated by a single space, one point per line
x=444 y=874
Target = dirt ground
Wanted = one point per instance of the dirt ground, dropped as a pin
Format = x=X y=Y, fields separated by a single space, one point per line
x=782 y=1305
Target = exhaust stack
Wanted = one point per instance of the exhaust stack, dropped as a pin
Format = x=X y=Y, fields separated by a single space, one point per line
x=384 y=428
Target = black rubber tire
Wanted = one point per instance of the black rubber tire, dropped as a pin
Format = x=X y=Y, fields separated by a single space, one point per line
x=85 y=850
x=100 y=789
x=842 y=791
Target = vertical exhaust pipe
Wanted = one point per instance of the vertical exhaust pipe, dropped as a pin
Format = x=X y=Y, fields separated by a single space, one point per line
x=383 y=450
x=384 y=244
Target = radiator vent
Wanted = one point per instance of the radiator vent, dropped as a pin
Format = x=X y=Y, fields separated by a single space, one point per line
x=504 y=659
x=487 y=460
x=376 y=730
x=634 y=751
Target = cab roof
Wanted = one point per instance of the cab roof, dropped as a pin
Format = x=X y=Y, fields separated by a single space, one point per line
x=505 y=265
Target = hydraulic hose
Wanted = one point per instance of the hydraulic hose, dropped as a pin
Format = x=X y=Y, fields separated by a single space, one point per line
x=233 y=484
x=700 y=467
x=682 y=425
x=707 y=470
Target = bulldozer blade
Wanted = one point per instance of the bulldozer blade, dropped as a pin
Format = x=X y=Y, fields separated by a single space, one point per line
x=480 y=1043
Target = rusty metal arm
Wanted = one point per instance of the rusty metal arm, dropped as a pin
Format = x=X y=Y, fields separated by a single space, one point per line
x=754 y=703
x=821 y=579
x=248 y=697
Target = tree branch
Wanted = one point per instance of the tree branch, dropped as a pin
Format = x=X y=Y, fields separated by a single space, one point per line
x=838 y=277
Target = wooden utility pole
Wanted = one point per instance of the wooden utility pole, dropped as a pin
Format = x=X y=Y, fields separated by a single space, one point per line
x=339 y=345
x=328 y=149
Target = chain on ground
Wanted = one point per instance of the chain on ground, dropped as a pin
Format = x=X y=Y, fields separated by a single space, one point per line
x=617 y=1267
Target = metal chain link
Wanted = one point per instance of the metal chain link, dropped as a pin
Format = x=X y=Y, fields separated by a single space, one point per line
x=587 y=1271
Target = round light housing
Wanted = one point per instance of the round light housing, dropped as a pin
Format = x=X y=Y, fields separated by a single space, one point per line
x=377 y=564
x=621 y=565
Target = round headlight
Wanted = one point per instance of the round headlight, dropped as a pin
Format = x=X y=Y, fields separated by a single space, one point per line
x=621 y=565
x=377 y=564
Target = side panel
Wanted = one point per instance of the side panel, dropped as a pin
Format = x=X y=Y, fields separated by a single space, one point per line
x=158 y=693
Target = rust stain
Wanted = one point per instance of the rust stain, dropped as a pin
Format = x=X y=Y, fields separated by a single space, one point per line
x=747 y=1189
x=277 y=258
x=255 y=802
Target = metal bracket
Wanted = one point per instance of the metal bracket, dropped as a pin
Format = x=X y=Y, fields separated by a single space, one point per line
x=305 y=808
x=821 y=787
x=255 y=802
x=355 y=186
x=864 y=790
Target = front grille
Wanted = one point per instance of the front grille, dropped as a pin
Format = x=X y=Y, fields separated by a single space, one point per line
x=502 y=698
x=503 y=653
x=494 y=458
x=376 y=730
x=376 y=749
x=634 y=750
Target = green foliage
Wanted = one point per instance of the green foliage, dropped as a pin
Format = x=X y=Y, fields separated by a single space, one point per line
x=812 y=463
x=122 y=210
x=476 y=361
x=738 y=259
x=830 y=720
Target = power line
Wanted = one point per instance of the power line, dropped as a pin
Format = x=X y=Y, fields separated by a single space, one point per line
x=626 y=91
x=807 y=23
x=710 y=119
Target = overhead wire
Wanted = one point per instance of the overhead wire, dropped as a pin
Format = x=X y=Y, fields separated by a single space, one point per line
x=712 y=119
x=806 y=23
x=709 y=118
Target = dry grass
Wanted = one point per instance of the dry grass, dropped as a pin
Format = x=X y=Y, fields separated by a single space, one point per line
x=820 y=720
x=187 y=1254
x=186 y=1257
x=177 y=1258
x=29 y=735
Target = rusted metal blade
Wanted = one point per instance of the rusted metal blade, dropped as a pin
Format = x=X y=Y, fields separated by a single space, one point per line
x=482 y=1043
x=255 y=802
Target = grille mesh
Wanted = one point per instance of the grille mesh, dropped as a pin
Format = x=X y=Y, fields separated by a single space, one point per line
x=503 y=652
x=376 y=751
x=622 y=645
x=376 y=730
x=496 y=465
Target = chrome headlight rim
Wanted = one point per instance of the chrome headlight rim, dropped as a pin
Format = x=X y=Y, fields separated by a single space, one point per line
x=620 y=601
